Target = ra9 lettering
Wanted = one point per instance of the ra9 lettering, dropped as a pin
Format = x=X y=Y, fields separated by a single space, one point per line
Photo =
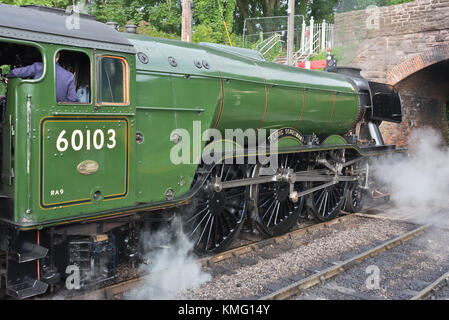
x=88 y=140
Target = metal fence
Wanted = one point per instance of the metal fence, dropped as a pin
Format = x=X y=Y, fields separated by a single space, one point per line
x=269 y=36
x=315 y=38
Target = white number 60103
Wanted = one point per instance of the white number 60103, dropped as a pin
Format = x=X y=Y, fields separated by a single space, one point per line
x=77 y=140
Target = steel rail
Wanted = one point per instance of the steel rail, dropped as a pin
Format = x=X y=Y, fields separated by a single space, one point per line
x=430 y=288
x=110 y=291
x=330 y=272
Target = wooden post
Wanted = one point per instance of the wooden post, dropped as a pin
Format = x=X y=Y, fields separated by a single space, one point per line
x=186 y=29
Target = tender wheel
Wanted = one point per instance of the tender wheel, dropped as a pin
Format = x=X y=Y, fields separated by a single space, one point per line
x=215 y=218
x=275 y=212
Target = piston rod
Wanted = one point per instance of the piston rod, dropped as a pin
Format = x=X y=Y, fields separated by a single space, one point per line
x=287 y=176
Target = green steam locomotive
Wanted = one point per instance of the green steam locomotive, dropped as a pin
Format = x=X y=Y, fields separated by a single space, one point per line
x=81 y=181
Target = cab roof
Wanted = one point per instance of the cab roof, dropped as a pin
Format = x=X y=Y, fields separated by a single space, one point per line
x=43 y=24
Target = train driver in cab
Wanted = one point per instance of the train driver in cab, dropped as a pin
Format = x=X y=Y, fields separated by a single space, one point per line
x=65 y=81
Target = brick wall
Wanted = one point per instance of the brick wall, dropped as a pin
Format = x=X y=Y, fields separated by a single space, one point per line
x=393 y=45
x=402 y=32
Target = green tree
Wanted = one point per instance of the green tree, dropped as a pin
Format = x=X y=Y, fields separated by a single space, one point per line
x=209 y=17
x=46 y=3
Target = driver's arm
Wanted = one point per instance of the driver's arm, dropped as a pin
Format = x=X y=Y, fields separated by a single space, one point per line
x=24 y=72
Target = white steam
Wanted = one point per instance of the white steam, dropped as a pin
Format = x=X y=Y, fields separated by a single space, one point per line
x=173 y=267
x=421 y=181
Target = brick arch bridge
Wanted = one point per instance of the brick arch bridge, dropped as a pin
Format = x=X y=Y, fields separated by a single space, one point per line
x=406 y=45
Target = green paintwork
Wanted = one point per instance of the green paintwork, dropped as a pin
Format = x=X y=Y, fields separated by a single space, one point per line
x=234 y=92
x=334 y=139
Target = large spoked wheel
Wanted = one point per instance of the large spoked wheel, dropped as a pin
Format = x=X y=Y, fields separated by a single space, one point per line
x=214 y=219
x=326 y=203
x=275 y=212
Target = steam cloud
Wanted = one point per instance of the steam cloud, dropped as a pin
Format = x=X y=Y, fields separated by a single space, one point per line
x=421 y=181
x=174 y=267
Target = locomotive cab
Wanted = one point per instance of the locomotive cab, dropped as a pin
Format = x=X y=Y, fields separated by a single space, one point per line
x=67 y=117
x=12 y=55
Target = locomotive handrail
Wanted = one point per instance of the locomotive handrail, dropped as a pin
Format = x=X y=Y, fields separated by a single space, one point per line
x=62 y=113
x=169 y=109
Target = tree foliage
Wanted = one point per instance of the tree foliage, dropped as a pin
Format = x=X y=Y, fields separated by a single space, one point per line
x=163 y=17
x=209 y=17
x=46 y=3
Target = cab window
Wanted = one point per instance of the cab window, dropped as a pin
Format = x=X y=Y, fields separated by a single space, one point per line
x=78 y=64
x=18 y=61
x=113 y=81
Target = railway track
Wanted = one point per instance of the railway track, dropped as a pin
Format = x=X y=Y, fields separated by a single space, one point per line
x=119 y=290
x=437 y=289
x=319 y=278
x=432 y=289
x=112 y=291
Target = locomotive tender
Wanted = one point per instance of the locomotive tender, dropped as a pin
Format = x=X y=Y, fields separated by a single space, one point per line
x=81 y=181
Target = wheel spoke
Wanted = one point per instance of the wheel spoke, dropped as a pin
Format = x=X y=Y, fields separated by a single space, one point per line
x=273 y=211
x=205 y=227
x=210 y=230
x=196 y=215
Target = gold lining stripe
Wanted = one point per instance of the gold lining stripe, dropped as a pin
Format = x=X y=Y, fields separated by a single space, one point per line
x=303 y=108
x=332 y=115
x=221 y=102
x=267 y=99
